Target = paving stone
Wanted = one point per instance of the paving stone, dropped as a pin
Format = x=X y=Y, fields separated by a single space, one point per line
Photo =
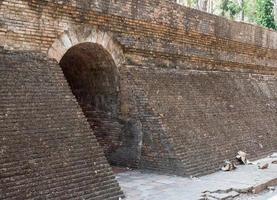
x=219 y=185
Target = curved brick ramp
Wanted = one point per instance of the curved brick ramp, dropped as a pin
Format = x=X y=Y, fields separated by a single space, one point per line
x=47 y=149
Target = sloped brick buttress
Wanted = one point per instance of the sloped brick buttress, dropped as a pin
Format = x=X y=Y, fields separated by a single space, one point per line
x=47 y=149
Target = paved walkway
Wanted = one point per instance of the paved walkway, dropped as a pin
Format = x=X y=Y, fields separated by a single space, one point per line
x=268 y=195
x=149 y=186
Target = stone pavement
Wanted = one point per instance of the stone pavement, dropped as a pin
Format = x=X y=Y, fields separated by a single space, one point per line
x=139 y=185
x=268 y=195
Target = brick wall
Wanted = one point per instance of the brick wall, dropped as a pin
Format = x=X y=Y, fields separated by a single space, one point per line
x=210 y=116
x=193 y=86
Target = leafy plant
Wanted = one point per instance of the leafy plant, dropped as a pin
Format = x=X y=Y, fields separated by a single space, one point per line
x=229 y=7
x=249 y=8
x=264 y=14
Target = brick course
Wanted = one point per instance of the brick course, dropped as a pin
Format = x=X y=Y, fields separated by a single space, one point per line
x=194 y=87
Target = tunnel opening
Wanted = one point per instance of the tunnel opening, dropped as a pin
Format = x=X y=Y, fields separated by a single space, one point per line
x=93 y=77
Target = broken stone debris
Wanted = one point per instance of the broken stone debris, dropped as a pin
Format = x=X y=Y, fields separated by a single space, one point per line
x=274 y=155
x=228 y=166
x=274 y=162
x=263 y=166
x=242 y=158
x=194 y=178
x=220 y=195
x=270 y=188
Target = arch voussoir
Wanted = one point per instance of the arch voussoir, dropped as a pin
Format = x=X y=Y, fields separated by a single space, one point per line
x=93 y=36
x=66 y=41
x=78 y=35
x=57 y=50
x=73 y=37
x=106 y=40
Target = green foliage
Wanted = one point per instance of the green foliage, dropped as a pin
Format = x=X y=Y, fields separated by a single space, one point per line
x=254 y=11
x=192 y=3
x=249 y=8
x=229 y=7
x=264 y=14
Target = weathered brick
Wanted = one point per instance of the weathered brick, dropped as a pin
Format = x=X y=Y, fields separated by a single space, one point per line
x=193 y=89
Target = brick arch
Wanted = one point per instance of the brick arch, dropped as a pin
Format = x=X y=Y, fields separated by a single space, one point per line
x=82 y=34
x=94 y=80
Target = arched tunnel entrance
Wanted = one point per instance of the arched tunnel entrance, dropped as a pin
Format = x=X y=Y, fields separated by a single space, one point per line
x=94 y=79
